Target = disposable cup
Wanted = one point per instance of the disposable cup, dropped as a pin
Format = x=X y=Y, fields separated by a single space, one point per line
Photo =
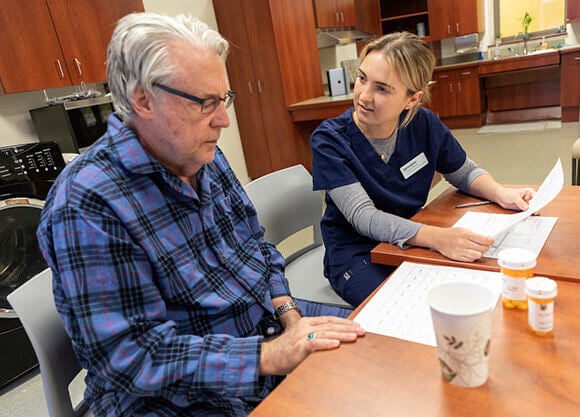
x=462 y=317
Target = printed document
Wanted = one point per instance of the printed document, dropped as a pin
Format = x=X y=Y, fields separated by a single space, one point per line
x=532 y=231
x=400 y=309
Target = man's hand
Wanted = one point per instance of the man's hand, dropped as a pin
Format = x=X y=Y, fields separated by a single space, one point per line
x=282 y=354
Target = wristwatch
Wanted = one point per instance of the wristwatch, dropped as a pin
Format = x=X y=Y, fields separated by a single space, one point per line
x=286 y=307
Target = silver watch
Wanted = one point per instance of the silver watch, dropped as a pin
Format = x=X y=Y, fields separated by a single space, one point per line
x=286 y=307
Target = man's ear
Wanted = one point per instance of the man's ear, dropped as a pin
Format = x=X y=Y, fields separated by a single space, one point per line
x=143 y=103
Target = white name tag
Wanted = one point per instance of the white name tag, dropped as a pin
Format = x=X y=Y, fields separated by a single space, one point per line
x=414 y=165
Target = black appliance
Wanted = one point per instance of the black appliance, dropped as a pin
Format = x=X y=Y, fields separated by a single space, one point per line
x=26 y=174
x=74 y=125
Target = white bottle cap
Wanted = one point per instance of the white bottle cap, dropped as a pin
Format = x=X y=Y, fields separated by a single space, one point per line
x=516 y=258
x=541 y=287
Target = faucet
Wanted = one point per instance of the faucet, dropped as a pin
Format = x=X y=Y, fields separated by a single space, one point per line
x=525 y=37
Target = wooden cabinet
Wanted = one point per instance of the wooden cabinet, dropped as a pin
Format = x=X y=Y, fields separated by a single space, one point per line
x=334 y=13
x=452 y=18
x=457 y=92
x=570 y=84
x=273 y=63
x=56 y=43
x=572 y=11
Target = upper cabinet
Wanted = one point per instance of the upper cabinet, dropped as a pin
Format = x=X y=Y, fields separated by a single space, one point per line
x=56 y=43
x=452 y=18
x=572 y=11
x=334 y=13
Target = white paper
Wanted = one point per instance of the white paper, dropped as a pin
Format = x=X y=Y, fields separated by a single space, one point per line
x=400 y=309
x=495 y=225
x=531 y=233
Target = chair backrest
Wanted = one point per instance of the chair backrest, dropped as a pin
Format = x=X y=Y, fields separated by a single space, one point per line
x=286 y=204
x=33 y=302
x=576 y=160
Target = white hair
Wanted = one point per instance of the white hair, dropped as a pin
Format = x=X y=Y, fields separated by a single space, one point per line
x=137 y=55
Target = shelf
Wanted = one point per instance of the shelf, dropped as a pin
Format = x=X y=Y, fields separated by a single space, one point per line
x=405 y=16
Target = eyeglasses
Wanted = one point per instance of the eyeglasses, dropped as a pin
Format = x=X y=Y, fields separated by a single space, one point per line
x=208 y=104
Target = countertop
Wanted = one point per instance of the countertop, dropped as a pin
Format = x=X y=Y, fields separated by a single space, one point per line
x=326 y=106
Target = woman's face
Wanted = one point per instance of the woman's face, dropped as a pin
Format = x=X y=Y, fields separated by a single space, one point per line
x=380 y=96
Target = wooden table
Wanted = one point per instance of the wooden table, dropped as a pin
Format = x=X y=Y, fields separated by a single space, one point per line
x=558 y=259
x=383 y=376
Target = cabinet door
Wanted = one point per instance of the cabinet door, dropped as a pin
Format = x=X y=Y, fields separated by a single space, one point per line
x=31 y=57
x=443 y=94
x=468 y=92
x=84 y=28
x=570 y=80
x=326 y=13
x=452 y=18
x=346 y=12
x=466 y=16
x=335 y=13
x=440 y=19
x=573 y=11
x=247 y=86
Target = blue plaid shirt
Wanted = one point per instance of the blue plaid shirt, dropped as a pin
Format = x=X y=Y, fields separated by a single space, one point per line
x=164 y=291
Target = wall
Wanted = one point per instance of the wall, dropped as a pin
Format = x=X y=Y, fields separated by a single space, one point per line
x=16 y=126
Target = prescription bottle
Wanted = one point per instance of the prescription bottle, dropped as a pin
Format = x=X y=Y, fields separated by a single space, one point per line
x=516 y=266
x=541 y=293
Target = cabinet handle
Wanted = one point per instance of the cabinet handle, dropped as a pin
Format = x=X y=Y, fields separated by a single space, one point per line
x=250 y=88
x=260 y=89
x=459 y=86
x=341 y=17
x=60 y=71
x=442 y=77
x=466 y=73
x=448 y=29
x=457 y=27
x=450 y=88
x=79 y=69
x=577 y=58
x=337 y=17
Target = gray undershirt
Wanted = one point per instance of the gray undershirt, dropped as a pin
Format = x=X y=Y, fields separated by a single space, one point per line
x=359 y=210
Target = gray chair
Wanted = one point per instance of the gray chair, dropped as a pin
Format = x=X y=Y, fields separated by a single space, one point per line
x=34 y=304
x=286 y=205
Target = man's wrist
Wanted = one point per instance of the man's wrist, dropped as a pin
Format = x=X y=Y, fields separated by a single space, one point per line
x=285 y=308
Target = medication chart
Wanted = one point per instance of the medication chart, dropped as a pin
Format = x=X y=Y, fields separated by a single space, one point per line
x=400 y=309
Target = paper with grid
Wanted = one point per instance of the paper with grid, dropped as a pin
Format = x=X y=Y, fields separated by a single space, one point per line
x=399 y=309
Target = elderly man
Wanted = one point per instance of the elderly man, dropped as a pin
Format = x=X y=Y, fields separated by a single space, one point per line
x=174 y=302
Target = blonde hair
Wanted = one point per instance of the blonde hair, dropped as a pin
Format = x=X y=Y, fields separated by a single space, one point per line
x=411 y=58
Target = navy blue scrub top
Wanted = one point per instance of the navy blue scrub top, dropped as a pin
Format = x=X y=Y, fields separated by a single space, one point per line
x=342 y=155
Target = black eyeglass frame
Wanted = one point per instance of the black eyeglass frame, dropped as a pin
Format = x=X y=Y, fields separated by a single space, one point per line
x=228 y=99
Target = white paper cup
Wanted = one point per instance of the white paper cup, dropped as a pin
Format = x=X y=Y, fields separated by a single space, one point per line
x=461 y=314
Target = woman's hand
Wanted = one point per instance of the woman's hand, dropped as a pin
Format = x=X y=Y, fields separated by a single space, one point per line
x=282 y=354
x=514 y=198
x=486 y=187
x=455 y=243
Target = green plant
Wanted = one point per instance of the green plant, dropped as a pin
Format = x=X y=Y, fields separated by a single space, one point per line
x=527 y=19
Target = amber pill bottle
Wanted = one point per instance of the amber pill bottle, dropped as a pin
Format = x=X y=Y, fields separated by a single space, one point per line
x=541 y=293
x=516 y=265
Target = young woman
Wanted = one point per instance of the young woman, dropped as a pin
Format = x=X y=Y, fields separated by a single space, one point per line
x=376 y=162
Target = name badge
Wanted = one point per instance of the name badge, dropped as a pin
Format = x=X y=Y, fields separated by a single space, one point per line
x=414 y=165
